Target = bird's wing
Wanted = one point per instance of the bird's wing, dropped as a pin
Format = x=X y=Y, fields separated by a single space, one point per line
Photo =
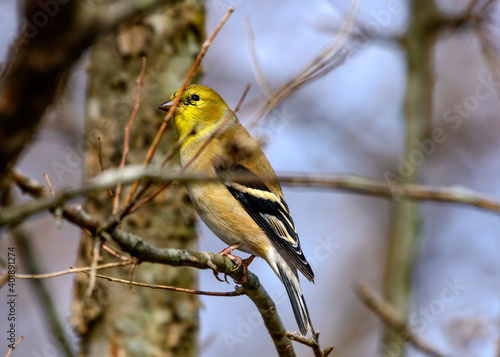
x=270 y=212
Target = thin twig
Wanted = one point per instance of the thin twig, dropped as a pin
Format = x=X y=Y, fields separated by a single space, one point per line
x=163 y=127
x=133 y=206
x=489 y=48
x=260 y=76
x=49 y=184
x=362 y=31
x=57 y=211
x=72 y=271
x=121 y=264
x=170 y=288
x=101 y=163
x=294 y=336
x=390 y=317
x=131 y=275
x=126 y=138
x=114 y=253
x=13 y=347
x=476 y=10
x=96 y=256
x=327 y=60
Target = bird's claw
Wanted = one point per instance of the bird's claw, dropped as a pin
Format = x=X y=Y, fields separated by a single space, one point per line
x=238 y=261
x=216 y=274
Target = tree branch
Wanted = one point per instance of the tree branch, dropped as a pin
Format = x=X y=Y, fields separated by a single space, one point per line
x=144 y=252
x=349 y=183
x=14 y=347
x=71 y=270
x=170 y=288
x=294 y=336
x=123 y=281
x=259 y=296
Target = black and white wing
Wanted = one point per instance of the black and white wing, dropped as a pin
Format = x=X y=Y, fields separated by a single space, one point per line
x=270 y=212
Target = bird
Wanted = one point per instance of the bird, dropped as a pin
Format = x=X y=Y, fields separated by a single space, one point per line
x=250 y=215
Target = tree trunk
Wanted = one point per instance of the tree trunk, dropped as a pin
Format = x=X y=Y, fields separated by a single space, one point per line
x=404 y=235
x=116 y=320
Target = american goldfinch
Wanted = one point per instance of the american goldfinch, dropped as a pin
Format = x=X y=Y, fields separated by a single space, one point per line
x=253 y=215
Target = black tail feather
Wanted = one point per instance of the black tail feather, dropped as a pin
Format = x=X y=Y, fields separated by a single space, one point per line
x=299 y=306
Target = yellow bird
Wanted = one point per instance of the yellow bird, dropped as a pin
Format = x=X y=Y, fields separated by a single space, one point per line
x=252 y=217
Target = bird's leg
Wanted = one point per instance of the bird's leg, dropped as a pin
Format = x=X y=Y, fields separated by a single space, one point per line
x=245 y=263
x=239 y=262
x=227 y=251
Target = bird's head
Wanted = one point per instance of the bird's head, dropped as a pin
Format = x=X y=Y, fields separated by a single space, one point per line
x=199 y=107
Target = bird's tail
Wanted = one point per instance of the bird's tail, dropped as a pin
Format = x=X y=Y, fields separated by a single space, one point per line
x=291 y=281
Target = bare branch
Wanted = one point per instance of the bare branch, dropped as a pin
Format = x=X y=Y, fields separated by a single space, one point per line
x=350 y=183
x=109 y=278
x=126 y=137
x=327 y=60
x=96 y=256
x=294 y=336
x=49 y=184
x=144 y=252
x=259 y=74
x=72 y=271
x=256 y=292
x=171 y=288
x=101 y=163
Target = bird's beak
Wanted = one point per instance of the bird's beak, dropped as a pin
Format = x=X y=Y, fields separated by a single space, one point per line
x=165 y=106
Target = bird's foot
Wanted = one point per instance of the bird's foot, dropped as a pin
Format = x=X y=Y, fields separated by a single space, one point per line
x=227 y=253
x=239 y=263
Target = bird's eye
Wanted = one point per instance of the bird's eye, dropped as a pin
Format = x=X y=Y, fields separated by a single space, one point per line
x=195 y=97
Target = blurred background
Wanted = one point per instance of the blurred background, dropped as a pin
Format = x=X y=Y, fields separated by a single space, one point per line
x=349 y=121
